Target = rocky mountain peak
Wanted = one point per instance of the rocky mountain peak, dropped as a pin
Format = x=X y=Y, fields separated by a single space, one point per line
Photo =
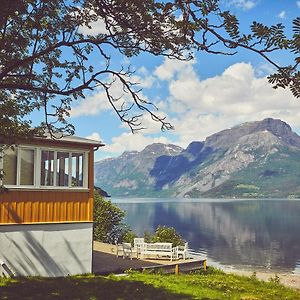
x=275 y=126
x=162 y=149
x=229 y=137
x=194 y=147
x=128 y=154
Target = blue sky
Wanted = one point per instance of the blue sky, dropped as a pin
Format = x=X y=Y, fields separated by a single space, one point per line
x=199 y=97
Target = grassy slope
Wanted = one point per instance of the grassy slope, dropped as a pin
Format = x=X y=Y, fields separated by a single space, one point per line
x=211 y=285
x=277 y=177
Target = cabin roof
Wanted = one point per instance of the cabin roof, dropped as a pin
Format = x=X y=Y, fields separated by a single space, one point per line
x=77 y=139
x=71 y=139
x=56 y=139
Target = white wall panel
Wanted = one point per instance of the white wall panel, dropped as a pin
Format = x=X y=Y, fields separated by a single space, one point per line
x=46 y=249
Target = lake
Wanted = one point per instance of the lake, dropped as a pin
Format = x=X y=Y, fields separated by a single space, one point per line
x=248 y=234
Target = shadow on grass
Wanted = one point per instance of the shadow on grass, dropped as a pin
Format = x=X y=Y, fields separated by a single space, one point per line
x=82 y=288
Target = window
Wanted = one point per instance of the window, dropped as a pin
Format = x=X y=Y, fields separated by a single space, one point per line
x=47 y=168
x=38 y=167
x=26 y=167
x=77 y=169
x=62 y=178
x=10 y=166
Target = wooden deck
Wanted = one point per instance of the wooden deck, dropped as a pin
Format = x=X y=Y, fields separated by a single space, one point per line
x=105 y=261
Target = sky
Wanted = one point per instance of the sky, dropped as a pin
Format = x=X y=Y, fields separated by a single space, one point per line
x=199 y=97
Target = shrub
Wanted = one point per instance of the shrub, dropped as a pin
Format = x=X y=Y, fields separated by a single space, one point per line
x=167 y=235
x=128 y=235
x=147 y=237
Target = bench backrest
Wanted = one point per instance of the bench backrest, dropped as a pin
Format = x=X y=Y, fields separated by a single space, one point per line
x=126 y=246
x=158 y=246
x=185 y=247
x=138 y=241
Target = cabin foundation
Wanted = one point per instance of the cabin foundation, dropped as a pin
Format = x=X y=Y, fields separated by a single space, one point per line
x=48 y=250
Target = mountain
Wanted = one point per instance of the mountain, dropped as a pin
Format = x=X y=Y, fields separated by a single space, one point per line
x=130 y=172
x=251 y=160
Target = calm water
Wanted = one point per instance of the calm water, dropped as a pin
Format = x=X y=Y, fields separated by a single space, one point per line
x=235 y=233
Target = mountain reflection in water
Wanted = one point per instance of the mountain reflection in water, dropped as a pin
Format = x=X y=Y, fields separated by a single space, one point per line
x=252 y=233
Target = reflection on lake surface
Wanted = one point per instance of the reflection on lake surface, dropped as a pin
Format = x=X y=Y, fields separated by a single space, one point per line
x=247 y=233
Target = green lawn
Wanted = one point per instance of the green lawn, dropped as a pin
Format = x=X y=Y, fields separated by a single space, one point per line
x=210 y=285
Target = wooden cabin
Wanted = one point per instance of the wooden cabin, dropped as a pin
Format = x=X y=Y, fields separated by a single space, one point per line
x=46 y=208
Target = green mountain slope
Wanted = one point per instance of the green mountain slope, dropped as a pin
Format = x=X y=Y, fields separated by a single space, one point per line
x=276 y=177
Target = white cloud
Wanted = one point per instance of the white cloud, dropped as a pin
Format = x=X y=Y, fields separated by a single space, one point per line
x=130 y=142
x=234 y=97
x=97 y=102
x=91 y=105
x=244 y=4
x=94 y=136
x=171 y=68
x=198 y=108
x=298 y=3
x=150 y=125
x=143 y=78
x=97 y=27
x=282 y=14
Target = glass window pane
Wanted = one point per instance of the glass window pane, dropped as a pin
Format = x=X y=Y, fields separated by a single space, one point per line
x=77 y=169
x=10 y=166
x=27 y=167
x=47 y=167
x=62 y=178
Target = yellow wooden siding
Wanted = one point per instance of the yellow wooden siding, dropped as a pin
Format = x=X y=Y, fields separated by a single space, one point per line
x=20 y=206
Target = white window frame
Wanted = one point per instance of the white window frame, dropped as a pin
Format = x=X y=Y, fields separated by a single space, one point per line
x=37 y=168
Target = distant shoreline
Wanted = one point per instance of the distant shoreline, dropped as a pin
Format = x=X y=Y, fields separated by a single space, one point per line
x=126 y=199
x=286 y=278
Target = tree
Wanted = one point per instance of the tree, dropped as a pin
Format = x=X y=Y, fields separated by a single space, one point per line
x=45 y=59
x=108 y=226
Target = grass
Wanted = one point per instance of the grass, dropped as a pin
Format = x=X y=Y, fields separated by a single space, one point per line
x=212 y=284
x=218 y=285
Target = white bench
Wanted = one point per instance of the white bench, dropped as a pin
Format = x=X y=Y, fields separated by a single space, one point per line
x=159 y=250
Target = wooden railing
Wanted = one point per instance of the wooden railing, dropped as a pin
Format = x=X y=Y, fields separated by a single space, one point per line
x=178 y=268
